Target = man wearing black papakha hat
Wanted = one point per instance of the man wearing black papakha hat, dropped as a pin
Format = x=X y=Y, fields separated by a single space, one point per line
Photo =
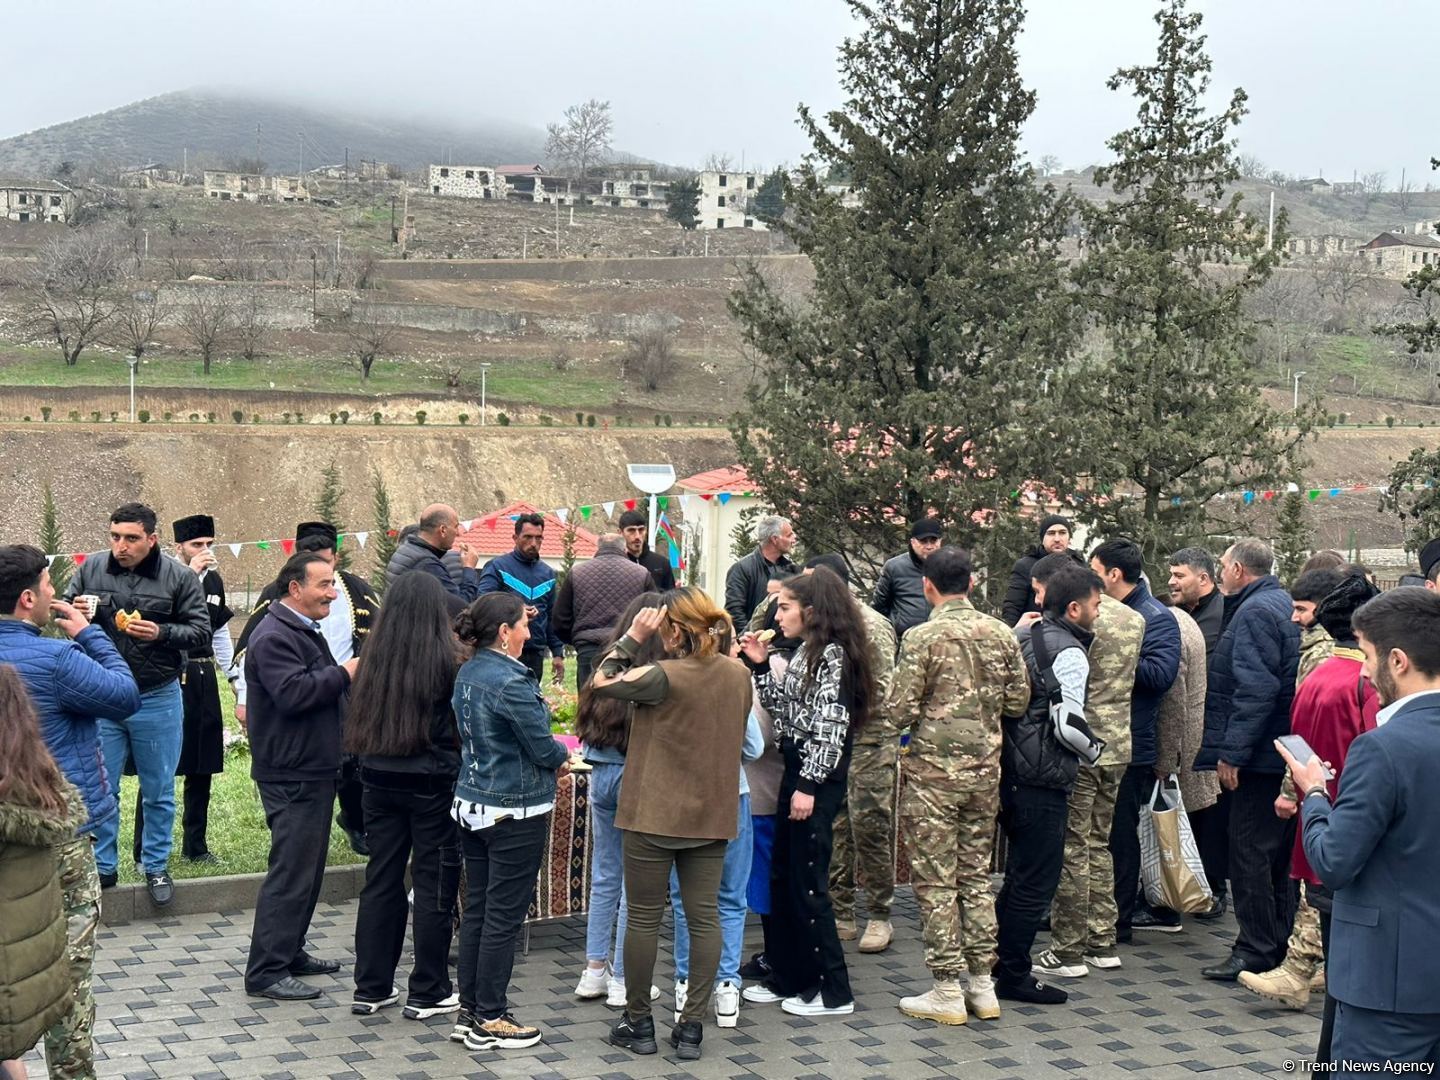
x=345 y=629
x=202 y=750
x=1430 y=565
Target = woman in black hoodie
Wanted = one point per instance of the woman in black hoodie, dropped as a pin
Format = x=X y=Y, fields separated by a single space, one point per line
x=1055 y=535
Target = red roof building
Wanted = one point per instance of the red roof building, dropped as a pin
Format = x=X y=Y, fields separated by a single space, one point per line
x=731 y=480
x=494 y=534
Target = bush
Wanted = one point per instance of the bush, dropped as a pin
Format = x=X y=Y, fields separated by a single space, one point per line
x=74 y=416
x=1344 y=417
x=255 y=419
x=238 y=415
x=169 y=416
x=657 y=419
x=45 y=413
x=334 y=418
x=562 y=359
x=299 y=418
x=27 y=419
x=546 y=421
x=95 y=416
x=668 y=422
x=143 y=416
x=114 y=416
x=579 y=419
x=209 y=417
x=287 y=417
x=420 y=415
x=375 y=418
x=344 y=416
x=464 y=418
x=503 y=420
x=590 y=420
x=1389 y=421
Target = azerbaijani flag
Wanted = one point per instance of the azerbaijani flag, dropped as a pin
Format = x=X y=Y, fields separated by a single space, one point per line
x=672 y=542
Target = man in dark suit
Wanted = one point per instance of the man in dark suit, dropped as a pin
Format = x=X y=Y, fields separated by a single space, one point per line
x=297 y=702
x=1377 y=846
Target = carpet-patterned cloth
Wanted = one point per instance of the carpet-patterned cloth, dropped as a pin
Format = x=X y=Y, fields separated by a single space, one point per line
x=563 y=887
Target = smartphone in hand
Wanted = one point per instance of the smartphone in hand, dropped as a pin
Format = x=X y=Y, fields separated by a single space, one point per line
x=1301 y=751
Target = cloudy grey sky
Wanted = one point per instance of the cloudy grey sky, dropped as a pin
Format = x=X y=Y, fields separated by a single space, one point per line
x=697 y=76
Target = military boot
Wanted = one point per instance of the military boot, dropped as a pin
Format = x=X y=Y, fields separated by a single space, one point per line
x=944 y=1002
x=1280 y=984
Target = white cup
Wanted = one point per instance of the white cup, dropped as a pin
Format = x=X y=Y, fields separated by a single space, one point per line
x=88 y=604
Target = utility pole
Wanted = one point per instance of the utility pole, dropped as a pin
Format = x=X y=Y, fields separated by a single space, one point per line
x=393 y=237
x=484 y=370
x=314 y=284
x=557 y=221
x=1297 y=376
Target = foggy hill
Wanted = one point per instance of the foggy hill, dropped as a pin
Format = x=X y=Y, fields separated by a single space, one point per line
x=216 y=126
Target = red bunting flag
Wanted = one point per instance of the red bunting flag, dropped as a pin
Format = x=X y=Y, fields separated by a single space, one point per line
x=629 y=504
x=288 y=545
x=79 y=558
x=490 y=524
x=707 y=498
x=1269 y=495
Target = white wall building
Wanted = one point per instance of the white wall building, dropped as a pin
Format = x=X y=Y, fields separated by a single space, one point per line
x=725 y=200
x=466 y=181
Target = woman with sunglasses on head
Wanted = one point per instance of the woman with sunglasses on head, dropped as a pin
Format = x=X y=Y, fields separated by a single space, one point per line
x=825 y=696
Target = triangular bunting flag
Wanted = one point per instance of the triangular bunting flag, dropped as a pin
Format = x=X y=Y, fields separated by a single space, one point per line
x=585 y=512
x=78 y=558
x=609 y=508
x=362 y=537
x=707 y=496
x=1269 y=495
x=563 y=514
x=263 y=545
x=234 y=549
x=49 y=559
x=466 y=526
x=662 y=501
x=724 y=497
x=685 y=501
x=339 y=541
x=1334 y=492
x=490 y=524
x=629 y=504
x=1313 y=494
x=392 y=532
x=1249 y=497
x=289 y=546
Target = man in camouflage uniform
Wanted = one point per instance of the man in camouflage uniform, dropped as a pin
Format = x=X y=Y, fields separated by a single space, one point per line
x=864 y=828
x=1083 y=913
x=958 y=673
x=69 y=1049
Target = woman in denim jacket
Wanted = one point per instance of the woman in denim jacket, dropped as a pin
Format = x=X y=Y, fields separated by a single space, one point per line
x=508 y=764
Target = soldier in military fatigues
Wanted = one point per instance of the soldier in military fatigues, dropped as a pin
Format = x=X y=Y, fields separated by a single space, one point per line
x=1083 y=914
x=958 y=673
x=69 y=1046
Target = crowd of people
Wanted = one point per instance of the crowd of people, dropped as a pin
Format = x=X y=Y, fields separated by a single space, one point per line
x=742 y=758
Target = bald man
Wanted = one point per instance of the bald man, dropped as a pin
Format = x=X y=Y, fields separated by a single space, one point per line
x=425 y=549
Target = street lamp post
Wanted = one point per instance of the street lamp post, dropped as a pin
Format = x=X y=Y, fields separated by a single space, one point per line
x=484 y=370
x=1295 y=407
x=132 y=362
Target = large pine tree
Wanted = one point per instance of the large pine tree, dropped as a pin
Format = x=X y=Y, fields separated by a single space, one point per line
x=1172 y=413
x=914 y=377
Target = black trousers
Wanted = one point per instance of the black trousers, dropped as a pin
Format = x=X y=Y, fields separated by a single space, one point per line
x=298 y=816
x=500 y=867
x=802 y=944
x=1211 y=827
x=1136 y=787
x=351 y=795
x=1261 y=887
x=534 y=659
x=407 y=820
x=585 y=657
x=194 y=823
x=1327 y=1020
x=1034 y=823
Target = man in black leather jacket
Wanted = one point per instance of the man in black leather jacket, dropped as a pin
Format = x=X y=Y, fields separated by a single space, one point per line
x=135 y=576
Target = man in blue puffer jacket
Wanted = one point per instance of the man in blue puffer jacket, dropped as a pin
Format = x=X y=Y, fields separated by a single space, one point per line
x=72 y=683
x=1247 y=707
x=529 y=577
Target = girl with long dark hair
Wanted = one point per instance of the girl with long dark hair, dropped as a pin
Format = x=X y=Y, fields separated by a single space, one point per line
x=401 y=725
x=602 y=723
x=509 y=762
x=825 y=696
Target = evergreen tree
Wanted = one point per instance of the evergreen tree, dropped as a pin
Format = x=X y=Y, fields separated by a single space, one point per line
x=1411 y=495
x=915 y=378
x=769 y=203
x=327 y=509
x=381 y=542
x=1293 y=536
x=683 y=206
x=1170 y=405
x=52 y=542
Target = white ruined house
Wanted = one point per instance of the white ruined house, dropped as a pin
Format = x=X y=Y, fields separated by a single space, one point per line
x=36 y=200
x=725 y=200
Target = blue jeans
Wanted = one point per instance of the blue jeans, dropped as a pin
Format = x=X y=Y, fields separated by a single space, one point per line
x=758 y=894
x=605 y=923
x=734 y=880
x=151 y=738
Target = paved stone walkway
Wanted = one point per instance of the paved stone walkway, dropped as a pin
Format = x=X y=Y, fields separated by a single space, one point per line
x=171 y=1004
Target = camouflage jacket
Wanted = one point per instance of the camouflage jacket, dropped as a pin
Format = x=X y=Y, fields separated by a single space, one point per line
x=958 y=673
x=1316 y=646
x=1114 y=656
x=881 y=633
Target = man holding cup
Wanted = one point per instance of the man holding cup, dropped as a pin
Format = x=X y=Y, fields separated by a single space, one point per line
x=153 y=610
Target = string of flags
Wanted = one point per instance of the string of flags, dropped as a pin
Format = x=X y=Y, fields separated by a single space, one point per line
x=686 y=501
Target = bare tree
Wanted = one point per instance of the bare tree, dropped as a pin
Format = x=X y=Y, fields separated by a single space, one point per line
x=1049 y=165
x=369 y=336
x=1341 y=279
x=1405 y=192
x=650 y=359
x=136 y=319
x=583 y=137
x=181 y=266
x=1373 y=183
x=207 y=322
x=717 y=162
x=136 y=207
x=73 y=289
x=1250 y=166
x=250 y=326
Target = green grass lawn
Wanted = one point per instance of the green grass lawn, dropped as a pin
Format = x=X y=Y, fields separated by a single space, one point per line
x=237 y=833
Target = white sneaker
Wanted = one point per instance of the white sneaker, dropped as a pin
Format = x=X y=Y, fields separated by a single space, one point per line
x=615 y=995
x=594 y=982
x=760 y=994
x=798 y=1006
x=1049 y=964
x=1104 y=963
x=727 y=1005
x=682 y=991
x=420 y=1010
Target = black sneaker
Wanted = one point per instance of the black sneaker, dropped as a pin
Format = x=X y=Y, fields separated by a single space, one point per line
x=1032 y=991
x=464 y=1024
x=109 y=881
x=637 y=1036
x=1215 y=911
x=160 y=887
x=756 y=968
x=1144 y=919
x=685 y=1038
